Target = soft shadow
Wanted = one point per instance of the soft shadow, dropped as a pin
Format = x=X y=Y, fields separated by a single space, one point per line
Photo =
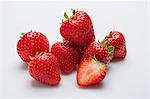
x=66 y=74
x=23 y=66
x=118 y=60
x=76 y=68
x=115 y=62
x=96 y=86
x=37 y=84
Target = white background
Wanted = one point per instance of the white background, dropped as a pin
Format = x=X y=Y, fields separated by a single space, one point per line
x=125 y=79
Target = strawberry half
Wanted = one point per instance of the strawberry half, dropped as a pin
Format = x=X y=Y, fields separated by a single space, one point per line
x=67 y=55
x=78 y=28
x=30 y=44
x=90 y=71
x=45 y=68
x=117 y=40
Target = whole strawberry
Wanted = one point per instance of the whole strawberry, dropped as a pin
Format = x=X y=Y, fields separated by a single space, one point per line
x=45 y=68
x=79 y=49
x=30 y=44
x=117 y=40
x=99 y=51
x=78 y=28
x=90 y=71
x=67 y=55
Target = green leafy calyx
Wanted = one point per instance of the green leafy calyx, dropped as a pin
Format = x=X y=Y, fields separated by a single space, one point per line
x=73 y=13
x=103 y=43
x=111 y=51
x=22 y=34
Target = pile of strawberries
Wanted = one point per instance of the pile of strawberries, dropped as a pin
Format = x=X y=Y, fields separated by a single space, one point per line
x=77 y=50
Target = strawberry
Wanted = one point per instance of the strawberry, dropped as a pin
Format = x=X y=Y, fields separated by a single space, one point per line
x=78 y=28
x=90 y=71
x=67 y=55
x=45 y=68
x=30 y=44
x=79 y=49
x=117 y=40
x=99 y=51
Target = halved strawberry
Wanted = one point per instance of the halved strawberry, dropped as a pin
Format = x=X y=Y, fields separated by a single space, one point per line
x=90 y=71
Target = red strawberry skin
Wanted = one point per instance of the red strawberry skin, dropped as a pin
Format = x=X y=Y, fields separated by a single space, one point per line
x=45 y=68
x=99 y=51
x=79 y=49
x=30 y=44
x=67 y=55
x=117 y=40
x=78 y=30
x=90 y=72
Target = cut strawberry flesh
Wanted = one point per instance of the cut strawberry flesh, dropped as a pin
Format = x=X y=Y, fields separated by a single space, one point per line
x=90 y=72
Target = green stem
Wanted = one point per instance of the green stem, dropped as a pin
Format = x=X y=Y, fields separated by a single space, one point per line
x=73 y=13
